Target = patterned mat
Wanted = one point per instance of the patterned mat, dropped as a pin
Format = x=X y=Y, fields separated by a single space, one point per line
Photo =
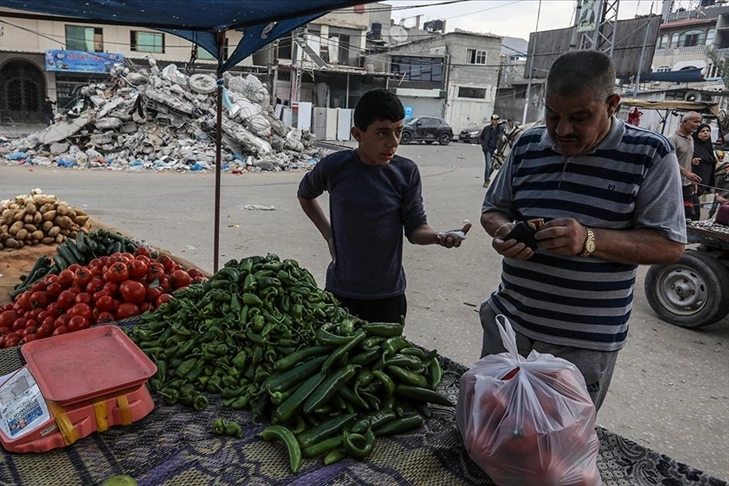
x=174 y=446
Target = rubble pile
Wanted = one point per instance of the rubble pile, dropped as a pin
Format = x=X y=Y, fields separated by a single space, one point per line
x=162 y=119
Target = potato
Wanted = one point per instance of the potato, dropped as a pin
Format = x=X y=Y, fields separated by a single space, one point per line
x=47 y=226
x=17 y=226
x=28 y=218
x=37 y=217
x=21 y=234
x=30 y=227
x=80 y=219
x=7 y=216
x=48 y=240
x=62 y=209
x=60 y=238
x=37 y=235
x=54 y=230
x=73 y=234
x=30 y=208
x=63 y=221
x=49 y=215
x=71 y=213
x=19 y=215
x=4 y=228
x=11 y=243
x=45 y=208
x=80 y=212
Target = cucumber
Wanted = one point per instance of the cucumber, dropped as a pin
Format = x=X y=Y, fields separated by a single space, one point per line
x=66 y=254
x=71 y=245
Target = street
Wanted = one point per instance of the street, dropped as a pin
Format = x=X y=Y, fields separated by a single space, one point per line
x=670 y=391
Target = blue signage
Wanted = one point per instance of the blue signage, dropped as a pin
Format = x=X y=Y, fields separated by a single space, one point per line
x=408 y=112
x=81 y=61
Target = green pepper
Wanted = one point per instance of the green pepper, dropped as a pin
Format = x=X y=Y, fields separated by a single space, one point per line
x=200 y=402
x=186 y=367
x=240 y=403
x=358 y=445
x=170 y=396
x=233 y=429
x=219 y=426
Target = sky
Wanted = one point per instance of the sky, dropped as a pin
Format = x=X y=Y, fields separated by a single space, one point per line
x=512 y=18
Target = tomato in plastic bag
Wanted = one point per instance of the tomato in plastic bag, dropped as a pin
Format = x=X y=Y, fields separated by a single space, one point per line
x=528 y=421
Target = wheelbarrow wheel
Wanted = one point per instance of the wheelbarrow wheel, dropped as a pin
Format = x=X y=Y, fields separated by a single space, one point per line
x=691 y=293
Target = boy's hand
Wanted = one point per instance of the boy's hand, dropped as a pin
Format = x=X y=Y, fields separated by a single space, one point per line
x=452 y=238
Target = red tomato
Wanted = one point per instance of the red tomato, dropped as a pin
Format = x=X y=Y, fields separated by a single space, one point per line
x=39 y=286
x=65 y=278
x=137 y=269
x=60 y=330
x=132 y=291
x=19 y=324
x=66 y=299
x=5 y=330
x=8 y=306
x=104 y=260
x=53 y=309
x=126 y=310
x=44 y=331
x=11 y=340
x=81 y=310
x=163 y=299
x=180 y=278
x=153 y=293
x=117 y=272
x=54 y=289
x=83 y=298
x=28 y=338
x=164 y=284
x=28 y=330
x=195 y=273
x=61 y=321
x=96 y=284
x=144 y=307
x=105 y=317
x=8 y=317
x=73 y=267
x=166 y=261
x=142 y=251
x=52 y=278
x=39 y=299
x=34 y=313
x=48 y=321
x=82 y=277
x=112 y=288
x=77 y=323
x=24 y=300
x=104 y=303
x=156 y=271
x=146 y=260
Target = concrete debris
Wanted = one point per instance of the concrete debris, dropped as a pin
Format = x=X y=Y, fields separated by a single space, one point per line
x=152 y=119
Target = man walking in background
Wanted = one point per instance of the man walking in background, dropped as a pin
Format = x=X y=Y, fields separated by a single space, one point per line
x=491 y=139
x=684 y=144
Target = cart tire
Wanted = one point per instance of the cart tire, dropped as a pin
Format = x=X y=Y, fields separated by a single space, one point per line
x=691 y=293
x=444 y=138
x=405 y=138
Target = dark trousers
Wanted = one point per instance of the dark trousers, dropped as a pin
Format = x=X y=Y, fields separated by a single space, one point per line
x=689 y=198
x=392 y=309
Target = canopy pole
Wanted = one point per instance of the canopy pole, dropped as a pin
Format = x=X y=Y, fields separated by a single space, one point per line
x=218 y=150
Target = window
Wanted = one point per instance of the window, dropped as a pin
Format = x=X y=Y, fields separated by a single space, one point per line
x=206 y=56
x=663 y=69
x=88 y=39
x=146 y=41
x=691 y=38
x=474 y=56
x=284 y=47
x=710 y=37
x=674 y=40
x=421 y=69
x=664 y=42
x=468 y=92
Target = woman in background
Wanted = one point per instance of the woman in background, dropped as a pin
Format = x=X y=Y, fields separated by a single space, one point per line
x=703 y=164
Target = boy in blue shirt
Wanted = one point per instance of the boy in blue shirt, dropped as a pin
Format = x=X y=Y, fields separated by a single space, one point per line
x=374 y=196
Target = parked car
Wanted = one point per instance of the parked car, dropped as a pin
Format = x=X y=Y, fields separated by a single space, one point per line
x=469 y=135
x=427 y=129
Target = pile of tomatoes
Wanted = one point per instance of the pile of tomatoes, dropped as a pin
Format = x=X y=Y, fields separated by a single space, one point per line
x=108 y=289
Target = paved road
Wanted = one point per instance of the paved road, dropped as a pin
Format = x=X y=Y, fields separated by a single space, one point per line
x=671 y=388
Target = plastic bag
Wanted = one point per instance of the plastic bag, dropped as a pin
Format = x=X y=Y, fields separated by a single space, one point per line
x=528 y=421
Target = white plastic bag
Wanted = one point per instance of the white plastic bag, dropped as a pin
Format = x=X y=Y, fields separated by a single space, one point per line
x=528 y=421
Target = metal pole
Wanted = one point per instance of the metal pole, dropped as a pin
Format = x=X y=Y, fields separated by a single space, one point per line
x=640 y=63
x=218 y=145
x=531 y=66
x=346 y=105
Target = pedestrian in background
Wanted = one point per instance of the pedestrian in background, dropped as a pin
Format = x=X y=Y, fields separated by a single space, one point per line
x=703 y=164
x=48 y=112
x=491 y=139
x=608 y=195
x=684 y=144
x=374 y=198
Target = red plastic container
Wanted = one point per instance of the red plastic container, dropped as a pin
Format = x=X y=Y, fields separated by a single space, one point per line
x=92 y=379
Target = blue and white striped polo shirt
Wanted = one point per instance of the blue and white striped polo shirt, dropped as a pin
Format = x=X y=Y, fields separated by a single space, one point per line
x=629 y=181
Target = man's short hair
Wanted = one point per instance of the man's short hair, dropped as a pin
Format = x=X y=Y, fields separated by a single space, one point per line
x=377 y=104
x=689 y=115
x=576 y=72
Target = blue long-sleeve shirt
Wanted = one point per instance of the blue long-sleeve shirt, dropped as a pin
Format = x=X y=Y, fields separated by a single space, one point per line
x=370 y=207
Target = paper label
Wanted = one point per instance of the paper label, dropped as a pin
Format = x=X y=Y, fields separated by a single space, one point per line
x=22 y=407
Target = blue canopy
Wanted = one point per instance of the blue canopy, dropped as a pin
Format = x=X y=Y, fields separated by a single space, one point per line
x=203 y=22
x=199 y=21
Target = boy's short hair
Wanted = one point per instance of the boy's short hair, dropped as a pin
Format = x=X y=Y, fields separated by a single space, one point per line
x=377 y=104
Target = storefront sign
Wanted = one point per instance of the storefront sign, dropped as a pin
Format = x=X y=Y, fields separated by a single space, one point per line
x=81 y=62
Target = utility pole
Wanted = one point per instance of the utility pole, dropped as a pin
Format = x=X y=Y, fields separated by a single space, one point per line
x=531 y=66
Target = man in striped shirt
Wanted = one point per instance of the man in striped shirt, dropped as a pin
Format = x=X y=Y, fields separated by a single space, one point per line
x=610 y=197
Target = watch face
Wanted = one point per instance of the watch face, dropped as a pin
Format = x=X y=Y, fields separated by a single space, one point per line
x=590 y=246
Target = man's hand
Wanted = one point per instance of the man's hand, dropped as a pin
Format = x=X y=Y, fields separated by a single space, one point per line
x=510 y=248
x=693 y=177
x=562 y=236
x=453 y=238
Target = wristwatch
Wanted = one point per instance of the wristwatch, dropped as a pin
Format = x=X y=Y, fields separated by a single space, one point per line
x=589 y=245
